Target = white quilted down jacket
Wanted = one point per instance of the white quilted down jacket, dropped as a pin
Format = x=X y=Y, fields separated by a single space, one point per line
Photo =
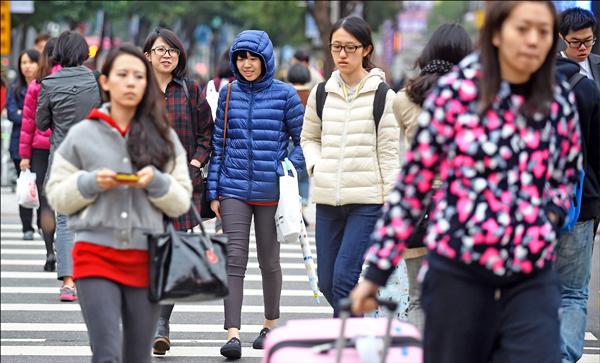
x=349 y=162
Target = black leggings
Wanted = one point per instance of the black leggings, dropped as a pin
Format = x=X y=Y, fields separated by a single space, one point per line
x=26 y=214
x=46 y=219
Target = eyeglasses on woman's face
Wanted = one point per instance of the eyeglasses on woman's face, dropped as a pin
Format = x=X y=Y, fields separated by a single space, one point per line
x=576 y=44
x=160 y=51
x=348 y=48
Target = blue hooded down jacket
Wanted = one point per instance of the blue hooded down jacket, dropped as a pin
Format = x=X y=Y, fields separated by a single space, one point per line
x=262 y=117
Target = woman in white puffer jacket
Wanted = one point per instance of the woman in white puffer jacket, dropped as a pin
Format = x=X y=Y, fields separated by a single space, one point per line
x=352 y=164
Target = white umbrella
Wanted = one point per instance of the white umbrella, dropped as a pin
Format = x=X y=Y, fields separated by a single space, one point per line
x=309 y=262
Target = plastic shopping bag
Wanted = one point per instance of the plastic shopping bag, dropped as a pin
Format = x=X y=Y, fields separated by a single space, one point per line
x=288 y=217
x=27 y=193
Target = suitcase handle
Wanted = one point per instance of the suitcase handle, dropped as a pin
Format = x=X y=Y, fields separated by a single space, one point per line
x=345 y=306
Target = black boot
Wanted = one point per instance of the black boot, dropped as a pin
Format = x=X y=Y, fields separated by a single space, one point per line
x=161 y=342
x=50 y=265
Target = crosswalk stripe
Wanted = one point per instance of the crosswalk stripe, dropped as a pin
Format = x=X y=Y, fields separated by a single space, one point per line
x=52 y=275
x=31 y=252
x=18 y=235
x=54 y=290
x=7 y=262
x=40 y=244
x=183 y=308
x=81 y=351
x=180 y=328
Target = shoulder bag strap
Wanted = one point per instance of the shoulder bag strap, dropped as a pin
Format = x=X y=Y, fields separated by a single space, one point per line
x=225 y=120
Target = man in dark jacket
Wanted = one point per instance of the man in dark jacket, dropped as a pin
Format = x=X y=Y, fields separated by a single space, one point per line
x=574 y=248
x=577 y=28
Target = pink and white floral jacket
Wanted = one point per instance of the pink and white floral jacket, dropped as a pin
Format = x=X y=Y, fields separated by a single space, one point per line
x=501 y=174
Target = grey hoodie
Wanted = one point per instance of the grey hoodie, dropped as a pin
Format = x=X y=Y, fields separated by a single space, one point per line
x=119 y=217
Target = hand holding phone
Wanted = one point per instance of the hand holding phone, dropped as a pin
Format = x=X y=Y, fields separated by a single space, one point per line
x=126 y=178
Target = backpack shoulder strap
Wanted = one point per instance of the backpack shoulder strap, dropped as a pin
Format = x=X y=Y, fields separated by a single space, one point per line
x=379 y=103
x=185 y=89
x=576 y=78
x=321 y=97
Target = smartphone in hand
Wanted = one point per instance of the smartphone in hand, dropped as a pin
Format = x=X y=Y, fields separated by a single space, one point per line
x=126 y=178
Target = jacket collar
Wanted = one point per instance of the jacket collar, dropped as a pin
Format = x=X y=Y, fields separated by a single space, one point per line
x=70 y=72
x=370 y=83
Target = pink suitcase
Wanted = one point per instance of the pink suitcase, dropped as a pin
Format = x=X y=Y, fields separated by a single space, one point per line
x=347 y=340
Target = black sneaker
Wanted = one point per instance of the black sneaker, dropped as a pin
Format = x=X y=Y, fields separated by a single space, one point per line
x=259 y=342
x=161 y=342
x=232 y=349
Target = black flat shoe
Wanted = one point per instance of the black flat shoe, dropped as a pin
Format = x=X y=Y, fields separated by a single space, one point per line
x=232 y=349
x=50 y=265
x=259 y=342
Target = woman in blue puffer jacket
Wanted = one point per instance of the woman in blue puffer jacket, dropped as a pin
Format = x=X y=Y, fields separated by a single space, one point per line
x=243 y=180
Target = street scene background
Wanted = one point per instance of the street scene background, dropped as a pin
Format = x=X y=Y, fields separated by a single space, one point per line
x=35 y=327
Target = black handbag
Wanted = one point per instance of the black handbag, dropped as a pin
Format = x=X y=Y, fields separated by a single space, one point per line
x=416 y=238
x=205 y=211
x=187 y=267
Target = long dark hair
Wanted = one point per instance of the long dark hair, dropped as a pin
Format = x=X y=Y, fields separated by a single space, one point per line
x=46 y=60
x=173 y=41
x=361 y=30
x=448 y=45
x=149 y=141
x=540 y=91
x=20 y=81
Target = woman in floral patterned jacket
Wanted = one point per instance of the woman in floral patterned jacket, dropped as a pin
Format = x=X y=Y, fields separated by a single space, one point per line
x=503 y=136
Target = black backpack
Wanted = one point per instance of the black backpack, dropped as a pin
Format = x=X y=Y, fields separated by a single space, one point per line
x=378 y=101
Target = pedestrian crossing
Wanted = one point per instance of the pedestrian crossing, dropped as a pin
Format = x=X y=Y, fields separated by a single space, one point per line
x=36 y=327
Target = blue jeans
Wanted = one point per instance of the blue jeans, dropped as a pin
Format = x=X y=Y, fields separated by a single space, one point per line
x=342 y=235
x=63 y=243
x=574 y=265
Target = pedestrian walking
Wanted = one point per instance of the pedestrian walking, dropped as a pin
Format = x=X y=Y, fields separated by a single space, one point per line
x=111 y=218
x=578 y=30
x=65 y=98
x=302 y=56
x=27 y=67
x=256 y=117
x=503 y=136
x=353 y=160
x=34 y=150
x=447 y=46
x=190 y=117
x=40 y=42
x=574 y=249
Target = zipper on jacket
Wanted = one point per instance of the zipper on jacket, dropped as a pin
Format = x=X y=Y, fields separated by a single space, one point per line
x=250 y=166
x=329 y=344
x=341 y=156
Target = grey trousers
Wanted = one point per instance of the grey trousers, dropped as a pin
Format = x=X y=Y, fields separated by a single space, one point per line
x=237 y=217
x=63 y=243
x=105 y=305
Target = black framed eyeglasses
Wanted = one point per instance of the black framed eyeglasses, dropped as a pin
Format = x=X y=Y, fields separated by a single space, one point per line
x=576 y=44
x=162 y=50
x=348 y=48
